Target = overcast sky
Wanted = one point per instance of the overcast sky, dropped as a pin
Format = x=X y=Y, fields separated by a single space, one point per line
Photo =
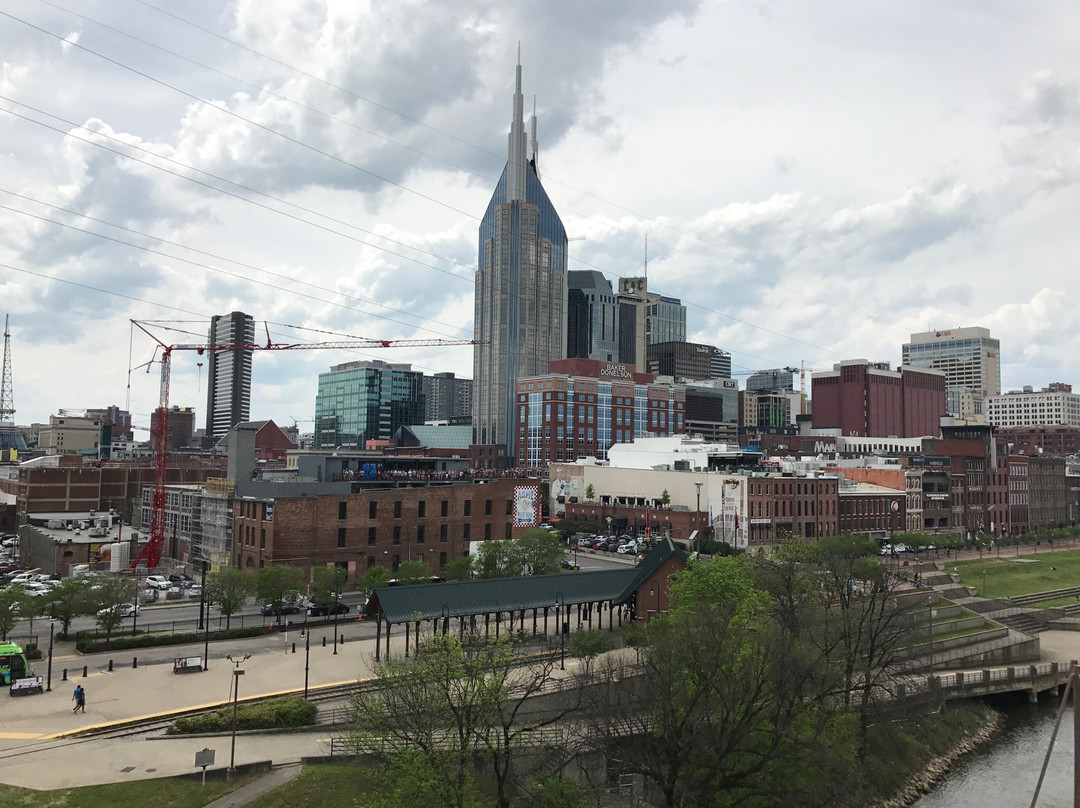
x=816 y=180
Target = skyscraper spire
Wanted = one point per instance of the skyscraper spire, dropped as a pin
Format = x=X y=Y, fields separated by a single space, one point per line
x=534 y=148
x=518 y=145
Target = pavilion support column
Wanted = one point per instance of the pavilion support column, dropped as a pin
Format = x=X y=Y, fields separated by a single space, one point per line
x=611 y=616
x=417 y=633
x=388 y=639
x=406 y=639
x=498 y=619
x=588 y=615
x=378 y=637
x=534 y=622
x=487 y=625
x=511 y=629
x=545 y=621
x=461 y=628
x=621 y=607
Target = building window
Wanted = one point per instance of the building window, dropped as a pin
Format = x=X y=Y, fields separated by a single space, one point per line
x=444 y=510
x=509 y=507
x=419 y=534
x=397 y=562
x=466 y=532
x=421 y=508
x=487 y=507
x=443 y=532
x=442 y=560
x=397 y=534
x=468 y=507
x=262 y=538
x=397 y=508
x=487 y=532
x=371 y=537
x=370 y=562
x=342 y=509
x=341 y=537
x=372 y=510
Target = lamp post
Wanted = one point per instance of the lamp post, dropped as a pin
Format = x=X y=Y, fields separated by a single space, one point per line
x=203 y=603
x=135 y=604
x=930 y=631
x=52 y=628
x=237 y=673
x=984 y=584
x=698 y=486
x=307 y=654
x=560 y=601
x=335 y=608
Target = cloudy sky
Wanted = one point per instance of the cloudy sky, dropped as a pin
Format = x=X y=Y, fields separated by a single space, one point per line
x=816 y=180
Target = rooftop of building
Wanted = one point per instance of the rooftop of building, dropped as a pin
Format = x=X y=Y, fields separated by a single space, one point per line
x=443 y=437
x=848 y=488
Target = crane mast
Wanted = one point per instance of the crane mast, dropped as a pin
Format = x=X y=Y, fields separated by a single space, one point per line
x=151 y=553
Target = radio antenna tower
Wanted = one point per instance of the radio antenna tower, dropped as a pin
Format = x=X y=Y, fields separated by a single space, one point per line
x=7 y=401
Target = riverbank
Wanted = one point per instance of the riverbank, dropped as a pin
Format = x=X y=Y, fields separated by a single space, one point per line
x=988 y=723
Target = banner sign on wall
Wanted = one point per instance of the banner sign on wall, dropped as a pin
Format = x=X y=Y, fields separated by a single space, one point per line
x=526 y=505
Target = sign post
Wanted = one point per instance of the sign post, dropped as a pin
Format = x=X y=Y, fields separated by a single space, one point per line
x=204 y=758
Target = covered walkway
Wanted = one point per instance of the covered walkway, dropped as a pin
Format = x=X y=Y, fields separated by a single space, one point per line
x=523 y=605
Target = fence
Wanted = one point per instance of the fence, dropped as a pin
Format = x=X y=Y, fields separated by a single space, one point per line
x=216 y=624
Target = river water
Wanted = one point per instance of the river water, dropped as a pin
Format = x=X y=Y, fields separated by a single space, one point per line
x=1004 y=772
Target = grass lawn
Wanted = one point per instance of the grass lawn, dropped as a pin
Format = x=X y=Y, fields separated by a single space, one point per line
x=165 y=793
x=343 y=786
x=1006 y=577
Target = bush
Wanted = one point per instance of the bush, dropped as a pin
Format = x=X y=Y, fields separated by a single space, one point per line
x=87 y=643
x=716 y=548
x=32 y=651
x=284 y=712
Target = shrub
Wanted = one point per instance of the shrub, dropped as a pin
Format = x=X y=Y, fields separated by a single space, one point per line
x=32 y=651
x=88 y=643
x=279 y=713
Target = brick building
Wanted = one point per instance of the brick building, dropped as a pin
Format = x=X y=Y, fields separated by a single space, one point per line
x=357 y=531
x=582 y=407
x=873 y=509
x=1060 y=441
x=1049 y=496
x=859 y=398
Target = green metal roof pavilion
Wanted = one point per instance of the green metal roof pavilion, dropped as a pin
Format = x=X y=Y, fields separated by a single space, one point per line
x=403 y=604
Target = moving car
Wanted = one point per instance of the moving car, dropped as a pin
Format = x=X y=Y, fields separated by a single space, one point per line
x=123 y=609
x=269 y=610
x=318 y=609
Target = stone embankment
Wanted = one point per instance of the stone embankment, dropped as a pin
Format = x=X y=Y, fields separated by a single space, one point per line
x=924 y=781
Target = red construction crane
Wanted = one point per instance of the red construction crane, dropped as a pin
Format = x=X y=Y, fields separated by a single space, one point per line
x=151 y=552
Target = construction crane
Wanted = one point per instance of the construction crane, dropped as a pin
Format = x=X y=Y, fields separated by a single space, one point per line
x=151 y=552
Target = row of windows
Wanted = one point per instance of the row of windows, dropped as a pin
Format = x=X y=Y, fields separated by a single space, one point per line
x=419 y=537
x=421 y=508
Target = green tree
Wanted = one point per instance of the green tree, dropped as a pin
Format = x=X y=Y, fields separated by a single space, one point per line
x=495 y=559
x=70 y=600
x=229 y=588
x=109 y=597
x=436 y=713
x=537 y=552
x=413 y=572
x=275 y=583
x=665 y=498
x=724 y=712
x=459 y=569
x=9 y=610
x=327 y=583
x=372 y=580
x=588 y=645
x=721 y=582
x=30 y=607
x=590 y=493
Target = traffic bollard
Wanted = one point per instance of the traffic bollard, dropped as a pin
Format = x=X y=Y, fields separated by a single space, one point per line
x=134 y=662
x=110 y=666
x=294 y=648
x=84 y=671
x=324 y=642
x=64 y=678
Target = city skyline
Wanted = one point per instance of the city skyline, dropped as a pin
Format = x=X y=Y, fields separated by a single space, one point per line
x=811 y=197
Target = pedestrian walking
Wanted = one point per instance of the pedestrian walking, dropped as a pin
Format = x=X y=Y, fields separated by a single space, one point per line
x=79 y=697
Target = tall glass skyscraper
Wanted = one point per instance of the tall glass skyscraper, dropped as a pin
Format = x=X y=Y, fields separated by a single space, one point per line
x=592 y=317
x=520 y=293
x=228 y=380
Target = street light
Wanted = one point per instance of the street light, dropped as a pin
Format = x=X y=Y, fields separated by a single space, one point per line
x=307 y=653
x=237 y=673
x=52 y=628
x=930 y=630
x=335 y=607
x=559 y=603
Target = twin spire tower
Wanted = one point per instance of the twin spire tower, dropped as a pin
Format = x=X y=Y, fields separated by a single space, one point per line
x=520 y=294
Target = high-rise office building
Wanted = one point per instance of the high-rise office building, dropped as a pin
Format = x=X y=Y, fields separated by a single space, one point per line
x=969 y=357
x=646 y=318
x=864 y=399
x=772 y=379
x=683 y=360
x=721 y=365
x=447 y=398
x=367 y=400
x=228 y=379
x=592 y=317
x=520 y=298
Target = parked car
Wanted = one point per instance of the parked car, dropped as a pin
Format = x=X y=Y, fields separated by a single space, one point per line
x=318 y=609
x=158 y=582
x=182 y=581
x=124 y=609
x=269 y=610
x=629 y=548
x=195 y=591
